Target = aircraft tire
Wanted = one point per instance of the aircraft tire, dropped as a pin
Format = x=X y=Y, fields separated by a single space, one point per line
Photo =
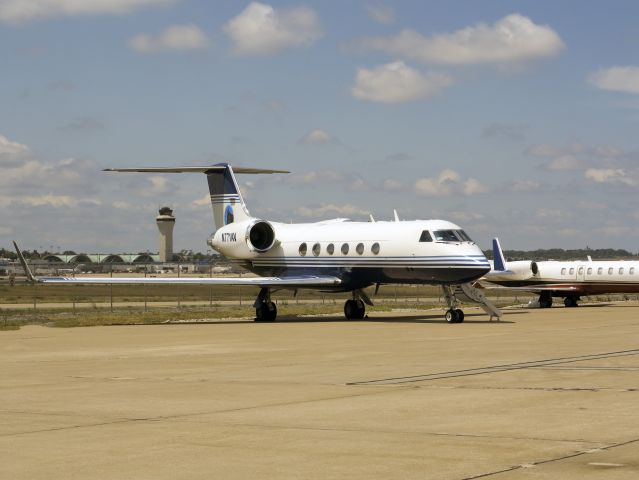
x=354 y=309
x=460 y=315
x=570 y=302
x=451 y=316
x=545 y=302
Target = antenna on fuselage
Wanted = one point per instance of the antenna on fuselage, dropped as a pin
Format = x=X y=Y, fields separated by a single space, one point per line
x=371 y=217
x=396 y=216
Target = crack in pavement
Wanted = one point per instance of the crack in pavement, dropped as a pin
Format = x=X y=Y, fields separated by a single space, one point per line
x=493 y=369
x=551 y=460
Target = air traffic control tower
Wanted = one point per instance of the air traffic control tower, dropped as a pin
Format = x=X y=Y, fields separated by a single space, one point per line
x=166 y=222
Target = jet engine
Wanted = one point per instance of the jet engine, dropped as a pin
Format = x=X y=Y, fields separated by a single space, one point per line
x=523 y=270
x=534 y=268
x=260 y=236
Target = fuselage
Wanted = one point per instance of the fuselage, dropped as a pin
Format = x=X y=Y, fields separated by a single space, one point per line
x=360 y=253
x=574 y=277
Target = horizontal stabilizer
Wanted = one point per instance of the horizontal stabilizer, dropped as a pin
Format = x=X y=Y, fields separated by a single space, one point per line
x=202 y=169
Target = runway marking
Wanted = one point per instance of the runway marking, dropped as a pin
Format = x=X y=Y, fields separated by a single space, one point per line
x=494 y=368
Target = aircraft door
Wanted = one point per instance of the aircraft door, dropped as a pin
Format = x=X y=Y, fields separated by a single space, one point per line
x=581 y=273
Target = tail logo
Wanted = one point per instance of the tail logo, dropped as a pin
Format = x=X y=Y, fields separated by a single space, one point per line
x=228 y=215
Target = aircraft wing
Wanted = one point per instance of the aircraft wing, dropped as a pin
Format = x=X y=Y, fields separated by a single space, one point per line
x=298 y=281
x=290 y=281
x=557 y=287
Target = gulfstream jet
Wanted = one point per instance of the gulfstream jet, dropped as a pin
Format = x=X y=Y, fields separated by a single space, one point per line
x=333 y=256
x=570 y=280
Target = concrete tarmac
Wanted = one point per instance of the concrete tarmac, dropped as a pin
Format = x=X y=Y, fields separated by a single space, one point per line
x=543 y=394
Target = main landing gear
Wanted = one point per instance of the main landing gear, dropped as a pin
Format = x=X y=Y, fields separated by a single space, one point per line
x=571 y=302
x=453 y=314
x=265 y=309
x=545 y=300
x=354 y=309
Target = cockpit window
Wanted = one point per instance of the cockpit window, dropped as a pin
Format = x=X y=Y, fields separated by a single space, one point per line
x=445 y=236
x=463 y=235
x=425 y=237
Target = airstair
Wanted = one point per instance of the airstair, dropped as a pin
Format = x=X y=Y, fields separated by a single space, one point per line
x=467 y=293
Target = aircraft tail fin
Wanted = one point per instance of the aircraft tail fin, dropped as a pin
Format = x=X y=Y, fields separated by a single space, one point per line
x=226 y=198
x=23 y=262
x=499 y=262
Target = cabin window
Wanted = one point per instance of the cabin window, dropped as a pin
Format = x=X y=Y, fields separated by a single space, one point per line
x=610 y=271
x=621 y=271
x=375 y=248
x=589 y=271
x=425 y=237
x=571 y=271
x=463 y=235
x=599 y=270
x=445 y=236
x=581 y=270
x=563 y=271
x=631 y=271
x=330 y=248
x=303 y=249
x=359 y=248
x=345 y=248
x=316 y=249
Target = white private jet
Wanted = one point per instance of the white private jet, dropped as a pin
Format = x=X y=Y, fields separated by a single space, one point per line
x=570 y=280
x=334 y=255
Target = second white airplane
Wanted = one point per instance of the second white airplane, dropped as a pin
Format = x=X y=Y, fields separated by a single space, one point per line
x=568 y=279
x=334 y=255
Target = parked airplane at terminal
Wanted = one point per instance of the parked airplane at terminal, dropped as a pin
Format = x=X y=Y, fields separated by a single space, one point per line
x=570 y=279
x=334 y=255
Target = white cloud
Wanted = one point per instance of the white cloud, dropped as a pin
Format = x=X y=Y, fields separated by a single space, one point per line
x=514 y=132
x=314 y=177
x=262 y=30
x=564 y=163
x=574 y=156
x=618 y=79
x=472 y=186
x=465 y=216
x=173 y=38
x=381 y=13
x=202 y=201
x=614 y=231
x=396 y=82
x=20 y=11
x=330 y=209
x=522 y=186
x=48 y=200
x=609 y=175
x=11 y=153
x=392 y=185
x=156 y=186
x=448 y=182
x=121 y=205
x=514 y=38
x=316 y=137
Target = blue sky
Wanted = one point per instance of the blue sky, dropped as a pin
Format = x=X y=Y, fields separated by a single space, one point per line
x=515 y=119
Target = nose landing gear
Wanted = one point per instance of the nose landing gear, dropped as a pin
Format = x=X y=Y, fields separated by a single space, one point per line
x=453 y=314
